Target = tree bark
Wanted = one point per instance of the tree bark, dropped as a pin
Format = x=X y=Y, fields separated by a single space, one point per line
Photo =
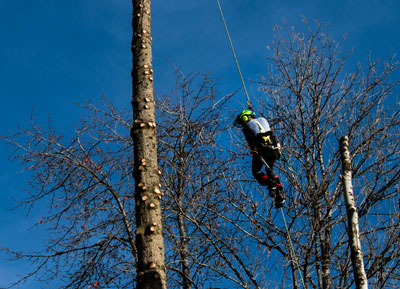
x=149 y=236
x=354 y=234
x=184 y=252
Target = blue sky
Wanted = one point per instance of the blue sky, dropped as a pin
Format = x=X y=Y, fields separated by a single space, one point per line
x=57 y=52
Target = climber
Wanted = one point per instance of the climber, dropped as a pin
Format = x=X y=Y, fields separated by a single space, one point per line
x=265 y=149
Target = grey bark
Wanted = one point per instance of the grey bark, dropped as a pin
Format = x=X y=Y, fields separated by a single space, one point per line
x=360 y=277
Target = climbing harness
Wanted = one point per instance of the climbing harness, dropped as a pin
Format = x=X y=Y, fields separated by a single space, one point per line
x=292 y=252
x=234 y=55
x=268 y=139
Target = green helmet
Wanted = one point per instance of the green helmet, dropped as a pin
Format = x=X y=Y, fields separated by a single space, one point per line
x=243 y=117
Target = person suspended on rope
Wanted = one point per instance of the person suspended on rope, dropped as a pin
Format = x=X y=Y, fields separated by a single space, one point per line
x=265 y=149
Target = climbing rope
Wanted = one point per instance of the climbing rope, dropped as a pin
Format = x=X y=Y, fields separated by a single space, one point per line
x=292 y=249
x=292 y=252
x=234 y=54
x=292 y=171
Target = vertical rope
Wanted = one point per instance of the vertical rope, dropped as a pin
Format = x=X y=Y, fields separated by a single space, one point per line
x=292 y=249
x=234 y=54
x=292 y=253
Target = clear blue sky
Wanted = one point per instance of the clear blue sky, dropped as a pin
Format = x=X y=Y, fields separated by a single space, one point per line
x=56 y=52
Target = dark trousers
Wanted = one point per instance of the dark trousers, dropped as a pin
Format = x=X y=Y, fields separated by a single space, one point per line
x=269 y=178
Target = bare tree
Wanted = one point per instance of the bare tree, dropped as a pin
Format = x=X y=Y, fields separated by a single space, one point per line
x=217 y=221
x=198 y=175
x=149 y=239
x=192 y=124
x=220 y=226
x=86 y=182
x=83 y=182
x=314 y=101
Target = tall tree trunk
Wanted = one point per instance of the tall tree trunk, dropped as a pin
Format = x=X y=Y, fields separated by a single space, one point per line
x=354 y=234
x=149 y=238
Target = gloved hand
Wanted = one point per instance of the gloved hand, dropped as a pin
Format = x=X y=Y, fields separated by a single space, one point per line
x=277 y=151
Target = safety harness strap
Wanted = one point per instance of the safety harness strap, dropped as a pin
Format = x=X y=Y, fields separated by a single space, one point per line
x=262 y=130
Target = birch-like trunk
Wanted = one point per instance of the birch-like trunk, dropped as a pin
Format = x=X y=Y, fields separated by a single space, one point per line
x=353 y=228
x=150 y=266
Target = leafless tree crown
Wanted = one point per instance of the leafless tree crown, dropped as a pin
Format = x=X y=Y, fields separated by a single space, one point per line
x=220 y=228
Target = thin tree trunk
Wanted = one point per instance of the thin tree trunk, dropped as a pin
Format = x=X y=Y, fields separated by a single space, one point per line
x=149 y=238
x=324 y=241
x=184 y=253
x=184 y=243
x=354 y=234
